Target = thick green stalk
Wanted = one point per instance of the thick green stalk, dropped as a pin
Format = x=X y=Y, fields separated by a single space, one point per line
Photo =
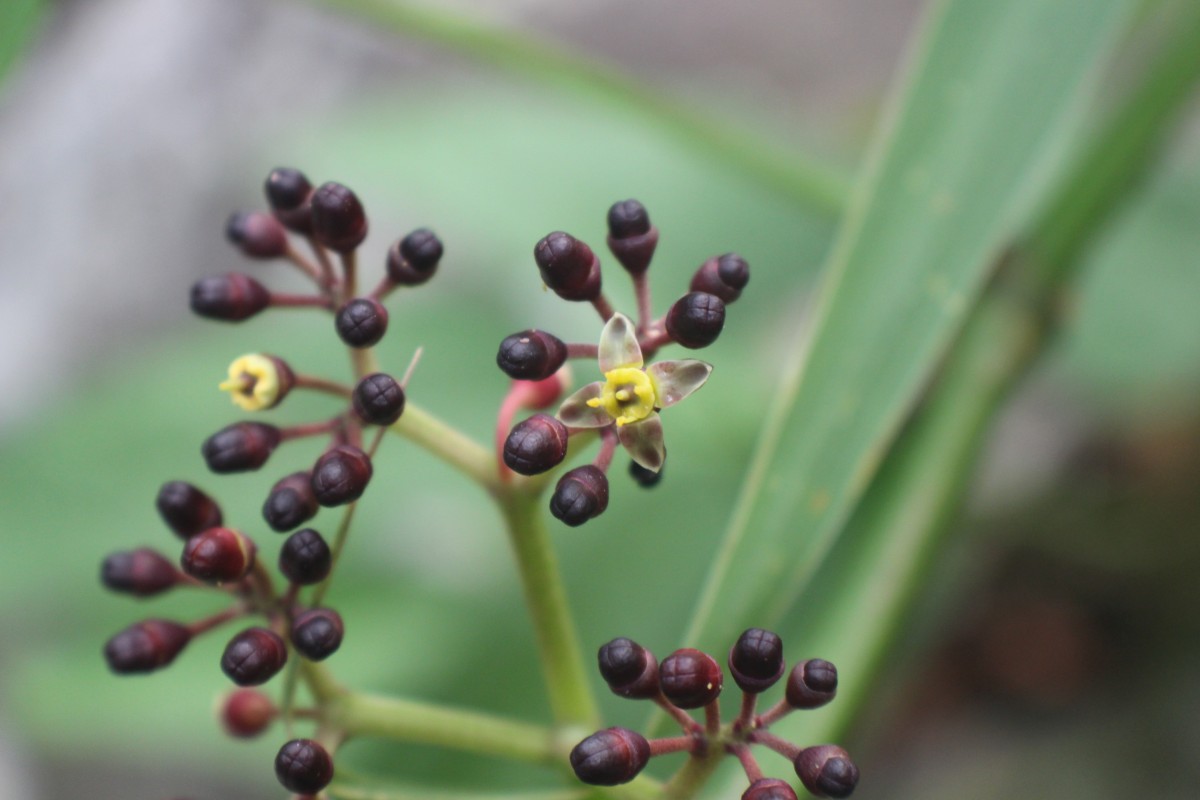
x=450 y=445
x=808 y=182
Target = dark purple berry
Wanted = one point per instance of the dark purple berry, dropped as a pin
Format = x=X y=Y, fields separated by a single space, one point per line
x=733 y=271
x=378 y=399
x=580 y=495
x=254 y=656
x=303 y=766
x=690 y=678
x=536 y=445
x=827 y=771
x=146 y=646
x=338 y=219
x=568 y=266
x=305 y=558
x=141 y=573
x=631 y=237
x=812 y=684
x=531 y=355
x=362 y=322
x=218 y=555
x=317 y=633
x=645 y=478
x=756 y=660
x=627 y=218
x=629 y=669
x=696 y=320
x=769 y=789
x=246 y=713
x=610 y=757
x=291 y=503
x=240 y=447
x=186 y=509
x=341 y=475
x=256 y=234
x=231 y=298
x=288 y=192
x=413 y=260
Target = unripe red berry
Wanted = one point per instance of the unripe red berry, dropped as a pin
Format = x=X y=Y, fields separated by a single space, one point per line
x=303 y=766
x=827 y=771
x=246 y=713
x=812 y=684
x=362 y=322
x=240 y=447
x=186 y=509
x=631 y=237
x=645 y=478
x=568 y=266
x=413 y=260
x=769 y=789
x=256 y=234
x=218 y=555
x=317 y=633
x=254 y=656
x=690 y=678
x=756 y=660
x=305 y=558
x=580 y=495
x=291 y=503
x=610 y=757
x=341 y=475
x=696 y=320
x=146 y=646
x=230 y=298
x=724 y=276
x=378 y=399
x=338 y=219
x=629 y=669
x=141 y=573
x=288 y=192
x=531 y=355
x=536 y=445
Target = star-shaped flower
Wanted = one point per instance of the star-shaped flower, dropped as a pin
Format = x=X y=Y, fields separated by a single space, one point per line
x=630 y=397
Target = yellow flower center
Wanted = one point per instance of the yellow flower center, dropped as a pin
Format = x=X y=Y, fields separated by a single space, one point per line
x=253 y=382
x=629 y=395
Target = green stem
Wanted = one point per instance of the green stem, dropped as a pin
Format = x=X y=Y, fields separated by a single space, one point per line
x=809 y=182
x=339 y=543
x=694 y=773
x=449 y=444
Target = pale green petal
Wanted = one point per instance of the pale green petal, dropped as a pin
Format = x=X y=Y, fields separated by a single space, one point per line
x=675 y=380
x=576 y=413
x=619 y=344
x=644 y=441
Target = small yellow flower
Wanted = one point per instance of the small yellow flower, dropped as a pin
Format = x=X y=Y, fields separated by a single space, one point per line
x=257 y=381
x=628 y=395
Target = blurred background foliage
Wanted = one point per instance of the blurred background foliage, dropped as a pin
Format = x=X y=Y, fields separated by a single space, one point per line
x=1055 y=649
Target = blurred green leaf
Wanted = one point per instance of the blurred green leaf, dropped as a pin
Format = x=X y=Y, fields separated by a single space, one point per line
x=18 y=22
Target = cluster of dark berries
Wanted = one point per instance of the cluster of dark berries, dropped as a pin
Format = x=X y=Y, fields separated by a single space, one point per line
x=689 y=679
x=624 y=407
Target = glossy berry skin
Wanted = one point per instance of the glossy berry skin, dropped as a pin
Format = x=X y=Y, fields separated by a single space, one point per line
x=303 y=766
x=256 y=234
x=568 y=266
x=240 y=447
x=696 y=320
x=218 y=555
x=610 y=757
x=291 y=503
x=362 y=322
x=414 y=259
x=305 y=558
x=580 y=495
x=531 y=355
x=812 y=684
x=378 y=399
x=338 y=219
x=229 y=298
x=826 y=771
x=769 y=789
x=254 y=656
x=629 y=669
x=288 y=192
x=645 y=478
x=186 y=509
x=631 y=237
x=341 y=475
x=145 y=646
x=535 y=445
x=627 y=218
x=690 y=678
x=756 y=660
x=141 y=573
x=317 y=633
x=725 y=276
x=246 y=713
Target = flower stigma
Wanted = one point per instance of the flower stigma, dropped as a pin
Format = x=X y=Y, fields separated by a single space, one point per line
x=253 y=382
x=629 y=395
